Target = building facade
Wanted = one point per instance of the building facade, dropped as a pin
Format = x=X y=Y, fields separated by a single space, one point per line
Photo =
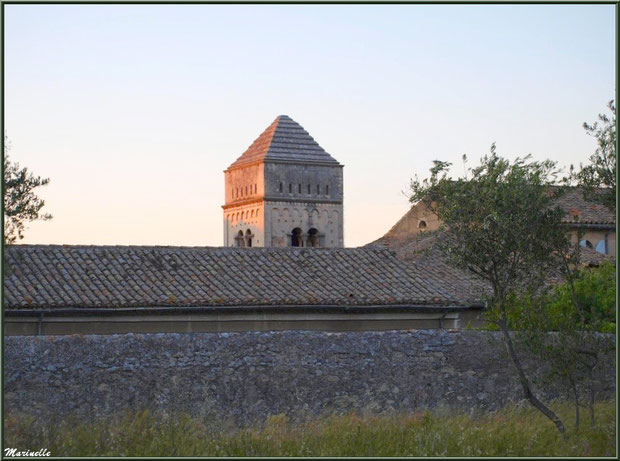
x=284 y=191
x=591 y=224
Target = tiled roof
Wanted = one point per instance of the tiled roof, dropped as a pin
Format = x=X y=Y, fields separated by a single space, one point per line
x=131 y=276
x=286 y=140
x=422 y=252
x=579 y=210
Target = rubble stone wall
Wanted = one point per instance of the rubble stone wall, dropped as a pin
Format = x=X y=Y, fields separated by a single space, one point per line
x=244 y=377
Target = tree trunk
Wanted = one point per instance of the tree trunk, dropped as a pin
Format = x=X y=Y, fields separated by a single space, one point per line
x=525 y=385
x=576 y=397
x=592 y=392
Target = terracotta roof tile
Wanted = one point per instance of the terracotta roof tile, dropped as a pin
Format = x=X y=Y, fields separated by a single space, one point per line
x=285 y=139
x=422 y=252
x=48 y=276
x=581 y=211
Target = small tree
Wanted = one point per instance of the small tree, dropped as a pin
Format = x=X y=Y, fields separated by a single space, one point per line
x=601 y=172
x=20 y=202
x=504 y=228
x=576 y=312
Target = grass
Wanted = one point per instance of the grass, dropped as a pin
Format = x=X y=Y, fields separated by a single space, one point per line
x=512 y=431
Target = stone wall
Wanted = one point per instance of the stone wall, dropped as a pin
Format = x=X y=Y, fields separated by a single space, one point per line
x=326 y=218
x=244 y=377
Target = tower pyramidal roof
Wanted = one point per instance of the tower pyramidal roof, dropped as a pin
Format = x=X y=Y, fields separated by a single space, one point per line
x=285 y=140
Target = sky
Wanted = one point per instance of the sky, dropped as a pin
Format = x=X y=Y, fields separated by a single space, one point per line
x=134 y=111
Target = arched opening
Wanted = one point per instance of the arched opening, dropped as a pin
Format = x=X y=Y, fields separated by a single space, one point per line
x=239 y=240
x=587 y=244
x=296 y=240
x=248 y=238
x=313 y=238
x=422 y=224
x=281 y=188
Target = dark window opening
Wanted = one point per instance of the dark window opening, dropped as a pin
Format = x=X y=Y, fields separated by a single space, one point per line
x=248 y=238
x=296 y=239
x=422 y=225
x=281 y=189
x=240 y=241
x=313 y=238
x=290 y=188
x=318 y=189
x=299 y=189
x=326 y=190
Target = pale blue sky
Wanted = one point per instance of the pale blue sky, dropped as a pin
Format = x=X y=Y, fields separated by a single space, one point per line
x=134 y=111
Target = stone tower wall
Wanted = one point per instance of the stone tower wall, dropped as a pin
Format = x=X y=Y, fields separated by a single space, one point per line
x=250 y=178
x=305 y=197
x=295 y=180
x=250 y=216
x=244 y=209
x=283 y=217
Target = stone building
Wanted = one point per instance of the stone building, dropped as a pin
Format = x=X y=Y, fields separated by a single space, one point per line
x=77 y=289
x=284 y=191
x=590 y=223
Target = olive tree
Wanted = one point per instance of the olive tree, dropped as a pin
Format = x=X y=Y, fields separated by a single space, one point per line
x=21 y=204
x=601 y=171
x=505 y=229
x=577 y=313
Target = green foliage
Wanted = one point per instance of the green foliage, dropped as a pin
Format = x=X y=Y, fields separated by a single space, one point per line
x=512 y=431
x=503 y=224
x=556 y=309
x=20 y=202
x=595 y=289
x=601 y=172
x=576 y=312
x=503 y=227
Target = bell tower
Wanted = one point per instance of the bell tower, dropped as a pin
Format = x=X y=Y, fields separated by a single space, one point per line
x=284 y=191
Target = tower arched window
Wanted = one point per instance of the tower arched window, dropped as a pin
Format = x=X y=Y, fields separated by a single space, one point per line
x=255 y=189
x=299 y=188
x=246 y=190
x=296 y=239
x=239 y=240
x=313 y=238
x=326 y=190
x=422 y=224
x=308 y=189
x=248 y=238
x=290 y=188
x=318 y=189
x=281 y=189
